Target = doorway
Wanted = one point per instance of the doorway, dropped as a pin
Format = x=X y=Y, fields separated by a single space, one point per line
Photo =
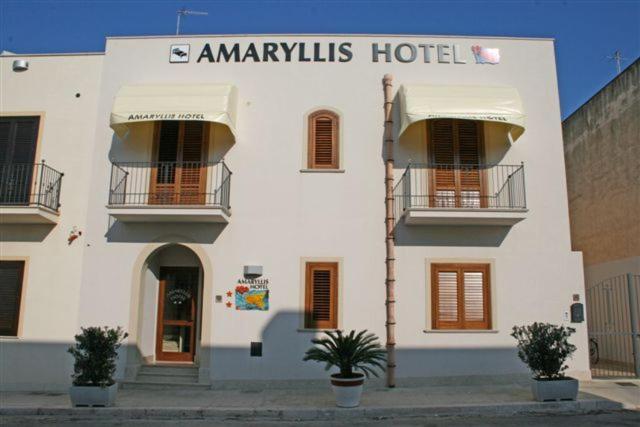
x=456 y=154
x=179 y=171
x=177 y=314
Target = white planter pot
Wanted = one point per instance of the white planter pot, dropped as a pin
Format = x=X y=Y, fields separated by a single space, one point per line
x=565 y=389
x=347 y=390
x=93 y=396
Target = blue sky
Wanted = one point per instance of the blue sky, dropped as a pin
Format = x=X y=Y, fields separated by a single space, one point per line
x=586 y=32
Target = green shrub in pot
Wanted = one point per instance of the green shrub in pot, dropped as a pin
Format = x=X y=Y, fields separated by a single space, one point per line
x=95 y=353
x=545 y=348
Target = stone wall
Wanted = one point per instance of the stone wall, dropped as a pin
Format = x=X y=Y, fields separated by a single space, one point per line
x=602 y=155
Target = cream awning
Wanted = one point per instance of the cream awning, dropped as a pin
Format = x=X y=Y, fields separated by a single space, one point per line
x=486 y=103
x=142 y=103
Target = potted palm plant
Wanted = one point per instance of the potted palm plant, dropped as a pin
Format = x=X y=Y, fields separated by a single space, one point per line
x=545 y=348
x=356 y=355
x=95 y=353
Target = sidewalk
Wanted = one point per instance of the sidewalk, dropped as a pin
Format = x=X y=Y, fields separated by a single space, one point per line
x=309 y=404
x=625 y=391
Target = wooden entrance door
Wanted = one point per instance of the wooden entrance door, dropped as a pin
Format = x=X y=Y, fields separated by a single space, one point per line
x=18 y=136
x=456 y=152
x=179 y=173
x=177 y=308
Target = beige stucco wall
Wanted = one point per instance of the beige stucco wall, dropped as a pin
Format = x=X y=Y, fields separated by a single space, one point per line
x=602 y=152
x=49 y=309
x=281 y=215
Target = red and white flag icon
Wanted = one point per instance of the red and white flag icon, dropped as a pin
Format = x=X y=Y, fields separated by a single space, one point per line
x=484 y=55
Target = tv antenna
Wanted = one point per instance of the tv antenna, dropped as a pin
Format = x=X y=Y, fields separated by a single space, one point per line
x=184 y=12
x=617 y=56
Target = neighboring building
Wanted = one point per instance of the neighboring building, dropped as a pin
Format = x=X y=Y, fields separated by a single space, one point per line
x=223 y=201
x=602 y=154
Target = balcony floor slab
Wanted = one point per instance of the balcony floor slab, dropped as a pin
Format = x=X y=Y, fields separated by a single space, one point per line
x=461 y=216
x=27 y=215
x=170 y=214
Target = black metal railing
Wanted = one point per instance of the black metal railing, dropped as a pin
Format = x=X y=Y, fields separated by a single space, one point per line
x=30 y=184
x=461 y=186
x=170 y=184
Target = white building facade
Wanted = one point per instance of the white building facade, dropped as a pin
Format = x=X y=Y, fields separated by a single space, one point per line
x=223 y=201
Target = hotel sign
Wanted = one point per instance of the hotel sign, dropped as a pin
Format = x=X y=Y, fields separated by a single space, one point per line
x=164 y=116
x=252 y=294
x=317 y=52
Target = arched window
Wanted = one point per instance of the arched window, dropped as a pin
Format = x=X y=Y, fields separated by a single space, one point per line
x=323 y=143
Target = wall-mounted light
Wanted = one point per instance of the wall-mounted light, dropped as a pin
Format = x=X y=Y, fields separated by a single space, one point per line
x=20 y=65
x=252 y=270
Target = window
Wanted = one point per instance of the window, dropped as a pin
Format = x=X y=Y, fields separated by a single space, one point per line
x=321 y=295
x=11 y=273
x=323 y=140
x=456 y=154
x=460 y=296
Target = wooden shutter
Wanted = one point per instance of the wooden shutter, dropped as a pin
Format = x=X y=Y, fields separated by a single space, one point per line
x=11 y=274
x=18 y=139
x=475 y=291
x=460 y=296
x=5 y=137
x=442 y=147
x=456 y=150
x=321 y=295
x=323 y=140
x=179 y=173
x=192 y=168
x=18 y=136
x=469 y=157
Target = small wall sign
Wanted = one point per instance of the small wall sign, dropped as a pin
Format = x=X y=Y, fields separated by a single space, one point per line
x=179 y=53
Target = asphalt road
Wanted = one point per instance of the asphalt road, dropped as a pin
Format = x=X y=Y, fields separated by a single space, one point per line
x=622 y=418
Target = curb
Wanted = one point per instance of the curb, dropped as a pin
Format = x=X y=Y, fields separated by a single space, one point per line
x=315 y=414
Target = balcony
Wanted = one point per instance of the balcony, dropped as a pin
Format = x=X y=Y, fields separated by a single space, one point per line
x=29 y=193
x=176 y=192
x=453 y=194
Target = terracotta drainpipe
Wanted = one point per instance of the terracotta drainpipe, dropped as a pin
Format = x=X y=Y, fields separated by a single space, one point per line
x=390 y=242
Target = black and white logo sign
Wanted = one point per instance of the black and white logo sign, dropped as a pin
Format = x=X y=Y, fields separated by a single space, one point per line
x=179 y=53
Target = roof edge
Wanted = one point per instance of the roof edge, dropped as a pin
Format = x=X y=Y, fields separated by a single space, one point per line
x=192 y=36
x=22 y=55
x=173 y=36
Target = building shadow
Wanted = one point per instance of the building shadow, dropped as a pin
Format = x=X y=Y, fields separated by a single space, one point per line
x=450 y=235
x=25 y=232
x=284 y=344
x=122 y=232
x=33 y=365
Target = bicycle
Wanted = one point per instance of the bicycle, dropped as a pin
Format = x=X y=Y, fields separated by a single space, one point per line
x=594 y=353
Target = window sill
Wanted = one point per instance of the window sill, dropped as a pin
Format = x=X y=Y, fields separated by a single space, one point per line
x=322 y=170
x=8 y=337
x=461 y=331
x=315 y=330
